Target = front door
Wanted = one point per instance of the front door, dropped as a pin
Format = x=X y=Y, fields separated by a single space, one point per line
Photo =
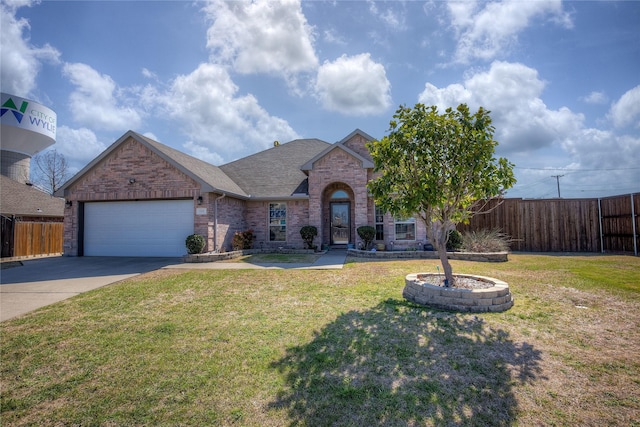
x=340 y=229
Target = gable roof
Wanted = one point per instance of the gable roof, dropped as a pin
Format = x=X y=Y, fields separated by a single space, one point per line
x=275 y=172
x=210 y=177
x=20 y=199
x=367 y=163
x=354 y=133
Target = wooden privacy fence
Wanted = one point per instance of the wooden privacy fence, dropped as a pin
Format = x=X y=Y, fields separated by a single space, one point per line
x=609 y=224
x=31 y=238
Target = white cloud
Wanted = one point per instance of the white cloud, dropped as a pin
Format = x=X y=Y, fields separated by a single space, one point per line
x=95 y=101
x=20 y=62
x=512 y=93
x=149 y=74
x=205 y=104
x=79 y=146
x=596 y=98
x=487 y=29
x=443 y=98
x=600 y=149
x=203 y=153
x=391 y=17
x=151 y=135
x=609 y=163
x=261 y=37
x=626 y=111
x=590 y=159
x=333 y=36
x=354 y=85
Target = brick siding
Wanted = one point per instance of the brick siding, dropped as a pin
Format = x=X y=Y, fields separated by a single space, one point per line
x=109 y=181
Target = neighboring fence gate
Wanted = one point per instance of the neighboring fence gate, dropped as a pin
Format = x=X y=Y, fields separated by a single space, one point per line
x=24 y=238
x=608 y=224
x=620 y=223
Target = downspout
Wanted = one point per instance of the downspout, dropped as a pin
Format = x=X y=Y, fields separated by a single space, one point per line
x=215 y=222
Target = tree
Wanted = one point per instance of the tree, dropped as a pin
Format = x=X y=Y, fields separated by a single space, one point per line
x=440 y=167
x=52 y=170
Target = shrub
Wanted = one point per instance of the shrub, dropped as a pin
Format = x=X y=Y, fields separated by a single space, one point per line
x=485 y=241
x=242 y=240
x=195 y=244
x=454 y=241
x=308 y=232
x=367 y=233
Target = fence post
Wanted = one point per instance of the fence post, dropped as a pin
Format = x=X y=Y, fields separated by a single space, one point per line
x=600 y=221
x=633 y=222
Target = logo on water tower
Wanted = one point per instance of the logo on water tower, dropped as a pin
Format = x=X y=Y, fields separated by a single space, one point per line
x=18 y=113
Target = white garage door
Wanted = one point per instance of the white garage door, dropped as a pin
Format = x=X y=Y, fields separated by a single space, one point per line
x=147 y=228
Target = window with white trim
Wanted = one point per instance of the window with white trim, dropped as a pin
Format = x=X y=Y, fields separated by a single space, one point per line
x=277 y=222
x=405 y=228
x=379 y=223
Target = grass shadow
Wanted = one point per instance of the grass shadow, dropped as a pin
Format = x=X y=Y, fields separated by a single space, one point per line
x=401 y=364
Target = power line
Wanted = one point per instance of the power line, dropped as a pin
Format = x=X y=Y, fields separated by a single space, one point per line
x=575 y=170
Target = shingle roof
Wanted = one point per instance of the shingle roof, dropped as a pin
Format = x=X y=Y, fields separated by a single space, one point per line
x=20 y=199
x=275 y=172
x=210 y=174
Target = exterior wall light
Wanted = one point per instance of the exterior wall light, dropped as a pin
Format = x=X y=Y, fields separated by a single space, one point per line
x=132 y=180
x=199 y=200
x=68 y=203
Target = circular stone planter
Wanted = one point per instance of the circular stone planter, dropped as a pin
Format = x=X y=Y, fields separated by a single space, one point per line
x=494 y=298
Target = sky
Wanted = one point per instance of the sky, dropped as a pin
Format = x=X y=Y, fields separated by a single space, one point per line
x=223 y=80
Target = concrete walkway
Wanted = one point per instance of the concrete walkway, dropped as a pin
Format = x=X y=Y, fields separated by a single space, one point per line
x=39 y=282
x=330 y=260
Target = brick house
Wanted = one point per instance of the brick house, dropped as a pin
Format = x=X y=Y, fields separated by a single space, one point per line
x=142 y=198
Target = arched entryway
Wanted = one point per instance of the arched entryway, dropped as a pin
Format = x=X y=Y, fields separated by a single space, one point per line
x=338 y=214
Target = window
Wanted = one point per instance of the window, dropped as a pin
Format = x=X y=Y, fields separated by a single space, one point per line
x=277 y=222
x=405 y=228
x=379 y=223
x=340 y=194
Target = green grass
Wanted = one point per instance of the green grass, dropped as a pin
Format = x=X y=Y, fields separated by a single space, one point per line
x=301 y=347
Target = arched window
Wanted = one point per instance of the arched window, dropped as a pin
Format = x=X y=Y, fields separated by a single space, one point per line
x=340 y=194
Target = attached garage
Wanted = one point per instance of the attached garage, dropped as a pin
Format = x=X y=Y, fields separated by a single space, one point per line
x=137 y=228
x=143 y=198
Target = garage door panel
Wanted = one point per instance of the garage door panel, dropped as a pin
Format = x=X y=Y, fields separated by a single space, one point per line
x=140 y=228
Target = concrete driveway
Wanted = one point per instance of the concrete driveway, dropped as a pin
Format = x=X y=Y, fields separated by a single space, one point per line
x=43 y=281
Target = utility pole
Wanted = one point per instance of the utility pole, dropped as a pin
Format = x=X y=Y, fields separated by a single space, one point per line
x=557 y=177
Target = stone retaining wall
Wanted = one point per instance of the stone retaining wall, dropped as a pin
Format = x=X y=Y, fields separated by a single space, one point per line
x=462 y=256
x=494 y=299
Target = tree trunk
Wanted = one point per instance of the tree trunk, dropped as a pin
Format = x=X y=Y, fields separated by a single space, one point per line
x=439 y=234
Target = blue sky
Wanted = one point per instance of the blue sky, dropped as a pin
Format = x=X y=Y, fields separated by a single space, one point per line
x=222 y=80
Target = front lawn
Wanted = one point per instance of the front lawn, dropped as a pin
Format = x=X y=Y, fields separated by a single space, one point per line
x=341 y=347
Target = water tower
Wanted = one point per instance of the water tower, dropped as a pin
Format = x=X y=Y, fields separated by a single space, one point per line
x=27 y=128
